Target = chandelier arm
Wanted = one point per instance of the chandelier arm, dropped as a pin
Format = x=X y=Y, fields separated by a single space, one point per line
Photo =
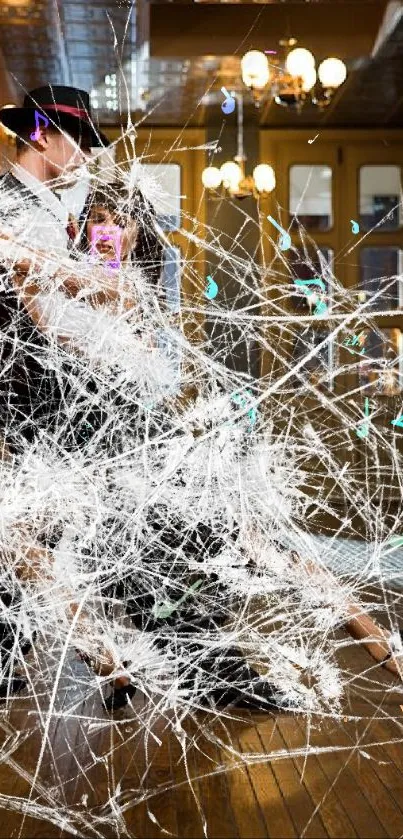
x=240 y=145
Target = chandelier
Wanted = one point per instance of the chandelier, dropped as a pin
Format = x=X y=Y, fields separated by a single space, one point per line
x=231 y=175
x=293 y=81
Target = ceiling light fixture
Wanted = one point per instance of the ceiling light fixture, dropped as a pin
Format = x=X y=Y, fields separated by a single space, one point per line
x=293 y=81
x=231 y=175
x=6 y=135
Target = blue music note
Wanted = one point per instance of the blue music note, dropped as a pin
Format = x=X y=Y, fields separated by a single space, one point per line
x=36 y=134
x=228 y=106
x=285 y=238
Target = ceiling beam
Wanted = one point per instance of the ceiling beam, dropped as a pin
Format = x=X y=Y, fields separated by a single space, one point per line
x=232 y=29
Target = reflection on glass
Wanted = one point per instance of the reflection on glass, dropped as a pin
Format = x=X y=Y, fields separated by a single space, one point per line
x=380 y=197
x=381 y=367
x=379 y=268
x=311 y=196
x=171 y=349
x=171 y=277
x=166 y=196
x=318 y=369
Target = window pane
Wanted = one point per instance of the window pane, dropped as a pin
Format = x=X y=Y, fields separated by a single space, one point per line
x=171 y=277
x=381 y=366
x=318 y=370
x=171 y=349
x=380 y=193
x=379 y=268
x=167 y=195
x=311 y=196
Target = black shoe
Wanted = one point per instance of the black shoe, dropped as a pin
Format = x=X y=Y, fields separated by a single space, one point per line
x=233 y=682
x=10 y=686
x=119 y=697
x=259 y=696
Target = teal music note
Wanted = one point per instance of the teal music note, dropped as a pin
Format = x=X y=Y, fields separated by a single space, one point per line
x=315 y=281
x=36 y=134
x=355 y=227
x=396 y=541
x=285 y=238
x=362 y=430
x=212 y=288
x=240 y=400
x=321 y=307
x=356 y=341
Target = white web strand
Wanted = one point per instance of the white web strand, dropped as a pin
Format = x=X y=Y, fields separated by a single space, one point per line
x=162 y=495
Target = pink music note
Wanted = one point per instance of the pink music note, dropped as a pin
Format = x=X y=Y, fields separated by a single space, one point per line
x=112 y=233
x=35 y=134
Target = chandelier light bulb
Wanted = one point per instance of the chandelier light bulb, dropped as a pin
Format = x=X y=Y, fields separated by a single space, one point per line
x=264 y=177
x=299 y=62
x=308 y=79
x=211 y=177
x=255 y=69
x=332 y=72
x=231 y=175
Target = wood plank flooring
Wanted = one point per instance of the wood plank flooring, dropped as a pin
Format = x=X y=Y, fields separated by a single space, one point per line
x=238 y=775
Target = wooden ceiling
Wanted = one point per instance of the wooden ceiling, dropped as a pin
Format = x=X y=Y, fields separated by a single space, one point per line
x=177 y=54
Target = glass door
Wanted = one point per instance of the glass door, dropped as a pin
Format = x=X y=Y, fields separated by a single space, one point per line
x=339 y=200
x=375 y=276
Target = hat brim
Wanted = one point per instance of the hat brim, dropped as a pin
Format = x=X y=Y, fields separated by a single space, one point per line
x=17 y=120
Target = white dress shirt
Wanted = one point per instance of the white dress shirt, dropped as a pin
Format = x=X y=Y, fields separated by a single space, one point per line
x=44 y=226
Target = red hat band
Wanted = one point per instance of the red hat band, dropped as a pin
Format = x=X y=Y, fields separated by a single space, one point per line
x=80 y=113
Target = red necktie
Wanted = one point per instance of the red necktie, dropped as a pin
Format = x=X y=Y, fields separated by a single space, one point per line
x=72 y=229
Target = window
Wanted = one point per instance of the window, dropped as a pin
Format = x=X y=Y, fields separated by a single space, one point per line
x=171 y=277
x=166 y=196
x=311 y=196
x=319 y=368
x=379 y=270
x=382 y=364
x=171 y=349
x=380 y=197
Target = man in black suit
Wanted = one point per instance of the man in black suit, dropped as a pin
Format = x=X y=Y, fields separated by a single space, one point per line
x=55 y=133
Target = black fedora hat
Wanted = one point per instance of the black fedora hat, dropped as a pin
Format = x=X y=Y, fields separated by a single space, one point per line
x=67 y=108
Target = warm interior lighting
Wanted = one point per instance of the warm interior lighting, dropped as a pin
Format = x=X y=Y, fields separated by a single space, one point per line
x=332 y=72
x=300 y=62
x=255 y=69
x=6 y=132
x=211 y=177
x=264 y=177
x=231 y=174
x=292 y=81
x=308 y=79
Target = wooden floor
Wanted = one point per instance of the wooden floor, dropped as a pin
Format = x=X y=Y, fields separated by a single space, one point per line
x=76 y=773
